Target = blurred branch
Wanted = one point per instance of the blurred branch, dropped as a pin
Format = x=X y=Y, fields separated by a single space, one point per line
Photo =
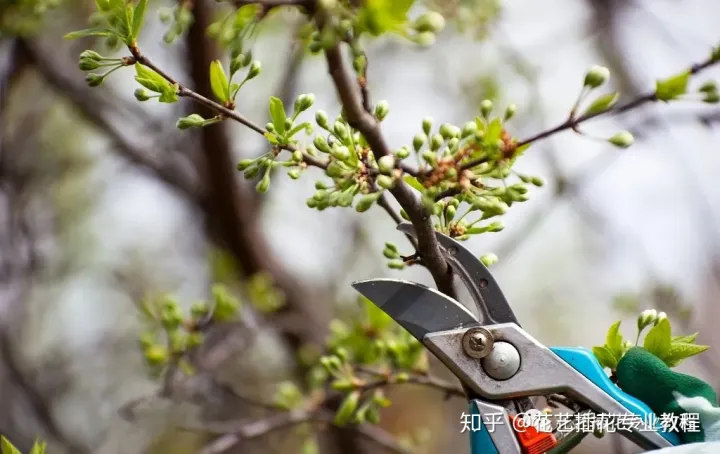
x=257 y=428
x=92 y=108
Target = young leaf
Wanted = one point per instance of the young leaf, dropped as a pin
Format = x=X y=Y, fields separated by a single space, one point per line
x=277 y=114
x=605 y=357
x=494 y=131
x=169 y=94
x=413 y=182
x=602 y=103
x=137 y=19
x=658 y=339
x=680 y=351
x=88 y=32
x=6 y=447
x=347 y=408
x=672 y=87
x=614 y=340
x=38 y=447
x=219 y=81
x=150 y=79
x=689 y=339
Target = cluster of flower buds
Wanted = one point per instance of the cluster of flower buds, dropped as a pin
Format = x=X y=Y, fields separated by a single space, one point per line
x=649 y=317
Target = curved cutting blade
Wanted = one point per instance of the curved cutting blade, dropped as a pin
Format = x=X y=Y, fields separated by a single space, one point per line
x=485 y=291
x=417 y=308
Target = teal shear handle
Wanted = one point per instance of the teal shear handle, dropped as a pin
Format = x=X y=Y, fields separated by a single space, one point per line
x=584 y=362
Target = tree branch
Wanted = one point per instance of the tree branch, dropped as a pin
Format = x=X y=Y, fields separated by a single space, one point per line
x=572 y=123
x=369 y=127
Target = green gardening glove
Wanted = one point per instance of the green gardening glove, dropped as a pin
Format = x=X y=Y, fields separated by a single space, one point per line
x=647 y=378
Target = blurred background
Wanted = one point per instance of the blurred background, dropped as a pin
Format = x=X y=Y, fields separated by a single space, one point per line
x=104 y=202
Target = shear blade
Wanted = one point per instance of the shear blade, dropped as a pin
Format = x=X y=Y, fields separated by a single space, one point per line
x=492 y=305
x=417 y=308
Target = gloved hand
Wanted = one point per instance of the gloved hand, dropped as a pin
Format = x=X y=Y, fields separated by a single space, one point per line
x=647 y=378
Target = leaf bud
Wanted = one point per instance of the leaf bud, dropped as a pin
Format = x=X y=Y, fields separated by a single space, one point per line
x=596 y=76
x=622 y=139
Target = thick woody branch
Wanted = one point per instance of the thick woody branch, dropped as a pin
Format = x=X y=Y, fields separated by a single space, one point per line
x=369 y=127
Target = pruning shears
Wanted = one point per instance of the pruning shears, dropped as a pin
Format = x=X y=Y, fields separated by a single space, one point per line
x=501 y=366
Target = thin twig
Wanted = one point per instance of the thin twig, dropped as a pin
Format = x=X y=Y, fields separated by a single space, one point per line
x=573 y=123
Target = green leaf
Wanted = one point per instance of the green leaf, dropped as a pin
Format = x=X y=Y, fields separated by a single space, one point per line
x=689 y=339
x=658 y=339
x=88 y=32
x=6 y=447
x=150 y=79
x=38 y=447
x=672 y=87
x=169 y=94
x=278 y=115
x=614 y=341
x=297 y=129
x=605 y=357
x=414 y=183
x=137 y=19
x=602 y=103
x=680 y=351
x=380 y=16
x=493 y=132
x=219 y=81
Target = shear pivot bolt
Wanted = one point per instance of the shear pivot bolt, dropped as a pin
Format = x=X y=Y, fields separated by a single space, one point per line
x=477 y=342
x=503 y=362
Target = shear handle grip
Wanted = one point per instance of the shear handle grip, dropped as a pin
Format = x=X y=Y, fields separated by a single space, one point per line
x=585 y=363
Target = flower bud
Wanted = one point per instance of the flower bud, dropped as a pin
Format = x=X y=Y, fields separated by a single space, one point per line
x=321 y=119
x=430 y=21
x=385 y=181
x=244 y=164
x=489 y=259
x=419 y=140
x=264 y=184
x=425 y=39
x=386 y=164
x=304 y=102
x=450 y=212
x=91 y=55
x=622 y=139
x=427 y=125
x=468 y=129
x=486 y=108
x=402 y=153
x=321 y=144
x=596 y=76
x=429 y=157
x=156 y=355
x=341 y=131
x=255 y=68
x=448 y=131
x=88 y=64
x=711 y=98
x=436 y=142
x=191 y=121
x=141 y=94
x=294 y=174
x=660 y=317
x=510 y=111
x=340 y=153
x=367 y=201
x=93 y=80
x=646 y=318
x=537 y=181
x=381 y=110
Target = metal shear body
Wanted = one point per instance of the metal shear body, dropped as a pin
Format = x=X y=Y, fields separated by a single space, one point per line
x=502 y=366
